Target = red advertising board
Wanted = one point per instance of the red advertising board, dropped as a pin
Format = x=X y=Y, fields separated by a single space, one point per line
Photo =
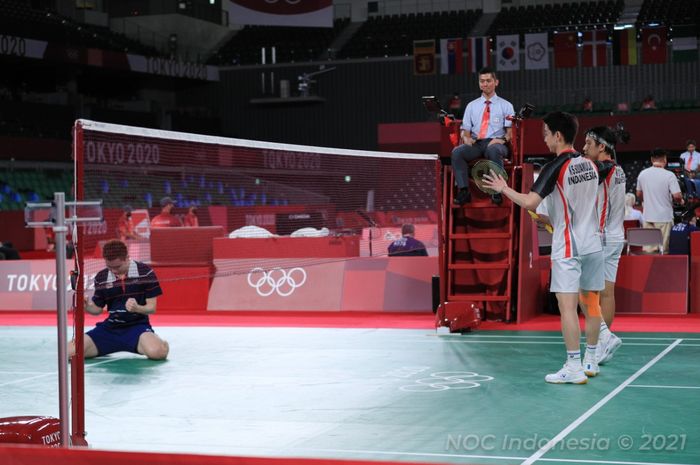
x=326 y=284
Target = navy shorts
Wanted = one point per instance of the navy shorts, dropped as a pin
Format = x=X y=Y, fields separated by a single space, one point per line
x=125 y=339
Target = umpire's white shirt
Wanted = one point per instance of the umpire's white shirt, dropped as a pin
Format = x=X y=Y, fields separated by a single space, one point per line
x=657 y=186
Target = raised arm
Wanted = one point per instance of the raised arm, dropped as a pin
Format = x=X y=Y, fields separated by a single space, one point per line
x=91 y=307
x=148 y=309
x=529 y=201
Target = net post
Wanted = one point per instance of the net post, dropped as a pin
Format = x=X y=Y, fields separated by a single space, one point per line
x=63 y=389
x=78 y=360
x=441 y=226
x=59 y=222
x=519 y=145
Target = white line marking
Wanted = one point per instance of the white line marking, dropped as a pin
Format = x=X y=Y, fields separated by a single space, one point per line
x=493 y=457
x=477 y=341
x=663 y=387
x=525 y=336
x=661 y=338
x=610 y=462
x=54 y=373
x=565 y=432
x=559 y=342
x=514 y=336
x=413 y=454
x=22 y=372
x=21 y=380
x=649 y=344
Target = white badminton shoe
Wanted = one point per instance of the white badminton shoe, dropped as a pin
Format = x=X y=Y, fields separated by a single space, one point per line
x=569 y=374
x=590 y=365
x=606 y=348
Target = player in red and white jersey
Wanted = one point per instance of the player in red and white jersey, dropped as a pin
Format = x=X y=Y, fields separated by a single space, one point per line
x=600 y=147
x=569 y=185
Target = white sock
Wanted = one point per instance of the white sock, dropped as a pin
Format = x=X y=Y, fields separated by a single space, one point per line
x=603 y=327
x=590 y=350
x=573 y=357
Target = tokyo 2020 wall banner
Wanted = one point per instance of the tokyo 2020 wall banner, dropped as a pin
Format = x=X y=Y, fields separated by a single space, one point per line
x=29 y=284
x=314 y=13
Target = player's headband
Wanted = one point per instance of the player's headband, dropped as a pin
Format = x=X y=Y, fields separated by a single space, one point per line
x=600 y=140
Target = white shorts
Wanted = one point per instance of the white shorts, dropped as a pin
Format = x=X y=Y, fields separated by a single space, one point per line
x=573 y=274
x=612 y=254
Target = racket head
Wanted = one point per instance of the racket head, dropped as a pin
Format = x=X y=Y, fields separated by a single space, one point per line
x=483 y=167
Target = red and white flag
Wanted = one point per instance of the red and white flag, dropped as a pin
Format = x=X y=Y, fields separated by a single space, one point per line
x=309 y=13
x=478 y=53
x=654 y=48
x=565 y=51
x=595 y=47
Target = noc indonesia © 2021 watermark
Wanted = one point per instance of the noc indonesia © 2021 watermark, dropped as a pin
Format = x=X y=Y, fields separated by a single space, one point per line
x=534 y=442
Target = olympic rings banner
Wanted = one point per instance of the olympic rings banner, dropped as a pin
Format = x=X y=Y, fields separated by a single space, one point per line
x=364 y=284
x=313 y=13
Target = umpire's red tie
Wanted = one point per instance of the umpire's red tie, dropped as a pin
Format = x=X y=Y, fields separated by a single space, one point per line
x=484 y=129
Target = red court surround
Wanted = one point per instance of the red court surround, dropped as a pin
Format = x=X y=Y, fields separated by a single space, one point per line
x=397 y=320
x=391 y=284
x=694 y=273
x=648 y=284
x=652 y=284
x=28 y=455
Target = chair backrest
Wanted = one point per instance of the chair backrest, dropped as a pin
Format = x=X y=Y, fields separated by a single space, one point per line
x=645 y=237
x=628 y=224
x=690 y=187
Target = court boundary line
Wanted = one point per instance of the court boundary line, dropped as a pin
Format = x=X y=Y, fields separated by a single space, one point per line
x=662 y=386
x=576 y=423
x=22 y=372
x=412 y=454
x=55 y=373
x=468 y=456
x=547 y=336
x=559 y=342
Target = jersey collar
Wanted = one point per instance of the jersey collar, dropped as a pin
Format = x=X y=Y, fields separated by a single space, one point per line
x=569 y=150
x=132 y=273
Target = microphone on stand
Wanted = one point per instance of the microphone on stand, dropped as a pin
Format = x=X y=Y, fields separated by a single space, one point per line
x=372 y=224
x=367 y=218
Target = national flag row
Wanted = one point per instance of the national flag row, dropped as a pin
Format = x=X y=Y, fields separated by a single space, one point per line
x=505 y=54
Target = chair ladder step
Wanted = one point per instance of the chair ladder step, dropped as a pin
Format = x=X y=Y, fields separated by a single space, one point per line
x=479 y=266
x=458 y=236
x=478 y=298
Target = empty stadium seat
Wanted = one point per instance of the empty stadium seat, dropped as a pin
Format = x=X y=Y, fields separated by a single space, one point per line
x=394 y=35
x=292 y=44
x=19 y=18
x=565 y=16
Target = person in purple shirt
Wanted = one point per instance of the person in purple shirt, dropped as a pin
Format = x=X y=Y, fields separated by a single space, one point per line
x=407 y=245
x=679 y=242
